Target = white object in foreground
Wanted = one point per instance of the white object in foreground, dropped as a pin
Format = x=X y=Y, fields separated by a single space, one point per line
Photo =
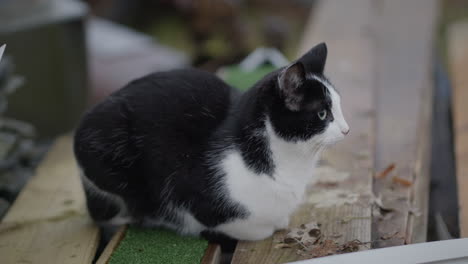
x=2 y=49
x=454 y=251
x=263 y=55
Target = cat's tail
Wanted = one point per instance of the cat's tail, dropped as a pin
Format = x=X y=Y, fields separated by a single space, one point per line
x=105 y=208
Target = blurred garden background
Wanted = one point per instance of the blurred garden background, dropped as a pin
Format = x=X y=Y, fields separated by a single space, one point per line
x=64 y=56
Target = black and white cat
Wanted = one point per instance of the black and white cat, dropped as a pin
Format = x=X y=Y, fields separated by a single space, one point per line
x=183 y=150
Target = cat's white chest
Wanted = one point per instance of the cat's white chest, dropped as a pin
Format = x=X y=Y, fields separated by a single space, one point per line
x=264 y=195
x=269 y=199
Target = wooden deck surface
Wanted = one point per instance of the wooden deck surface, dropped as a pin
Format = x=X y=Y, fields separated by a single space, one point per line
x=458 y=65
x=48 y=223
x=380 y=61
x=404 y=45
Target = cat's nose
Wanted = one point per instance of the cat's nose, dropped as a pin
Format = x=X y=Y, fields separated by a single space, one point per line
x=345 y=131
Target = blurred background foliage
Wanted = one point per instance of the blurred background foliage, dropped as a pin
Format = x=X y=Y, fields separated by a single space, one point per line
x=64 y=56
x=213 y=32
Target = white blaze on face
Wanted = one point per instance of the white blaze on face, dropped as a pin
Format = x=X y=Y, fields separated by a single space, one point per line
x=337 y=129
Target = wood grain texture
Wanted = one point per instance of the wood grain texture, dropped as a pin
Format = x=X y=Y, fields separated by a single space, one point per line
x=404 y=44
x=212 y=255
x=458 y=65
x=48 y=223
x=349 y=67
x=419 y=197
x=380 y=60
x=111 y=246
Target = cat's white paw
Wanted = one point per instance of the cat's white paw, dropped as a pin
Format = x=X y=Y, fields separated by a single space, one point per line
x=243 y=230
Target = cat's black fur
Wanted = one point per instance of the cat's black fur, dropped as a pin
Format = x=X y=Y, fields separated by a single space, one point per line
x=156 y=132
x=157 y=140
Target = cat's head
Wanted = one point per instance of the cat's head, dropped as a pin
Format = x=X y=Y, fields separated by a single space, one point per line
x=305 y=105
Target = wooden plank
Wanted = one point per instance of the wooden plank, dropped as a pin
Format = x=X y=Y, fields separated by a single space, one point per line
x=48 y=222
x=404 y=41
x=344 y=26
x=212 y=255
x=458 y=63
x=111 y=246
x=419 y=197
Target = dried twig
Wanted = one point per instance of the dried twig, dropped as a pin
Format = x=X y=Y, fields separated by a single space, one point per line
x=402 y=181
x=385 y=172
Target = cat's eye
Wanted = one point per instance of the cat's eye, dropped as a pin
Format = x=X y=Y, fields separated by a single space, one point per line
x=322 y=114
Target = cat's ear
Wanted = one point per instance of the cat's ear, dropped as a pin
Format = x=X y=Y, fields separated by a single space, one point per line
x=314 y=60
x=290 y=81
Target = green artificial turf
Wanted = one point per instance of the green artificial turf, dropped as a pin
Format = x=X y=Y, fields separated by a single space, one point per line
x=242 y=80
x=158 y=246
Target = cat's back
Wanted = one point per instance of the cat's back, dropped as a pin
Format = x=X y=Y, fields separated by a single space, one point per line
x=175 y=97
x=188 y=92
x=169 y=112
x=186 y=103
x=184 y=83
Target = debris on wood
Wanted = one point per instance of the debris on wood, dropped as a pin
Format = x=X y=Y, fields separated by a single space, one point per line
x=389 y=236
x=324 y=248
x=378 y=202
x=385 y=172
x=306 y=234
x=282 y=245
x=414 y=211
x=346 y=220
x=329 y=247
x=351 y=246
x=381 y=211
x=401 y=181
x=309 y=241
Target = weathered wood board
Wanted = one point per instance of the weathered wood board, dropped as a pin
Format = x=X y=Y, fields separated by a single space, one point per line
x=111 y=246
x=403 y=33
x=48 y=223
x=342 y=200
x=212 y=255
x=380 y=61
x=458 y=65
